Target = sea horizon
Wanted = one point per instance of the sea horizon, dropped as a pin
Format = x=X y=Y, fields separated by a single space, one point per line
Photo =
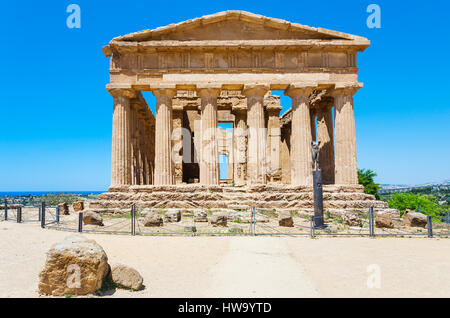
x=39 y=193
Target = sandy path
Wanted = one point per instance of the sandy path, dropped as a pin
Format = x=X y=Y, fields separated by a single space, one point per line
x=243 y=266
x=259 y=267
x=408 y=267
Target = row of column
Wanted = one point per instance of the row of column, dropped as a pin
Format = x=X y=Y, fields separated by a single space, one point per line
x=131 y=159
x=342 y=159
x=338 y=163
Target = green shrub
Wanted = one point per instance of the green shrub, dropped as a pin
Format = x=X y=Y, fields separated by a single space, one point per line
x=365 y=178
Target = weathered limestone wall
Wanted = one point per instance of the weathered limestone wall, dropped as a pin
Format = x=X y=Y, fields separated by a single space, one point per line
x=262 y=196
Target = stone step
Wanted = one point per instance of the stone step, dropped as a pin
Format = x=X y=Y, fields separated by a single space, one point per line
x=206 y=196
x=337 y=204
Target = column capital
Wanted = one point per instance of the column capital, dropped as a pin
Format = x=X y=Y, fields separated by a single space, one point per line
x=121 y=90
x=300 y=89
x=164 y=91
x=345 y=89
x=208 y=91
x=253 y=89
x=324 y=104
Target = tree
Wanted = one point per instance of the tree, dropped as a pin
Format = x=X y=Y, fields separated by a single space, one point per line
x=428 y=204
x=365 y=178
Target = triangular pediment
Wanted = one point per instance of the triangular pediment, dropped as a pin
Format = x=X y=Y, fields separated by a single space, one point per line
x=235 y=25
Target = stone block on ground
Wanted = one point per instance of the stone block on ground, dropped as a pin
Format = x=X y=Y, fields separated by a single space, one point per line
x=200 y=216
x=415 y=219
x=153 y=219
x=78 y=206
x=63 y=209
x=351 y=219
x=74 y=257
x=218 y=219
x=126 y=276
x=92 y=218
x=384 y=220
x=285 y=219
x=172 y=216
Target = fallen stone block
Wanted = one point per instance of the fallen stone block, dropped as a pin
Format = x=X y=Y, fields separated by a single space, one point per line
x=126 y=276
x=92 y=218
x=285 y=219
x=415 y=219
x=78 y=206
x=172 y=216
x=74 y=266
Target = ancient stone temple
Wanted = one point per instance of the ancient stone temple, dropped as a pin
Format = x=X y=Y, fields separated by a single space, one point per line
x=221 y=68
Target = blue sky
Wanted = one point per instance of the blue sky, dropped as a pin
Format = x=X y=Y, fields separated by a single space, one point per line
x=55 y=131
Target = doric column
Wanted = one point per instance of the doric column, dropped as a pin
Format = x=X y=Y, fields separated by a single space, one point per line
x=346 y=170
x=177 y=144
x=313 y=114
x=121 y=137
x=240 y=147
x=273 y=142
x=325 y=136
x=164 y=168
x=301 y=137
x=257 y=133
x=209 y=155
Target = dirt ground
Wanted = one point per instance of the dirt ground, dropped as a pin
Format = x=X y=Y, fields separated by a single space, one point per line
x=244 y=266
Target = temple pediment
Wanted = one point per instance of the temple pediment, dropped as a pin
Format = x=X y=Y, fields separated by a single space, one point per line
x=236 y=26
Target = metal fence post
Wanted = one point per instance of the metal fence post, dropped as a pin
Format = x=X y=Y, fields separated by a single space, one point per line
x=133 y=217
x=447 y=218
x=252 y=224
x=419 y=209
x=57 y=214
x=39 y=214
x=80 y=222
x=6 y=210
x=371 y=222
x=430 y=226
x=312 y=234
x=43 y=215
x=19 y=214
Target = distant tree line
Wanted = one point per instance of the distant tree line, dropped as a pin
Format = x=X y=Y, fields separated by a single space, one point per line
x=432 y=202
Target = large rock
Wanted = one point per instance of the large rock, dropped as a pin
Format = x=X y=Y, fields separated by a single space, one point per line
x=285 y=219
x=63 y=208
x=126 y=276
x=172 y=216
x=92 y=218
x=384 y=221
x=74 y=266
x=415 y=219
x=153 y=219
x=218 y=219
x=78 y=206
x=200 y=216
x=351 y=219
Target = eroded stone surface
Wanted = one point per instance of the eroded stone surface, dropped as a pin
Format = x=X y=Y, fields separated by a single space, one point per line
x=78 y=206
x=384 y=221
x=92 y=218
x=285 y=219
x=415 y=219
x=153 y=219
x=74 y=258
x=218 y=219
x=126 y=277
